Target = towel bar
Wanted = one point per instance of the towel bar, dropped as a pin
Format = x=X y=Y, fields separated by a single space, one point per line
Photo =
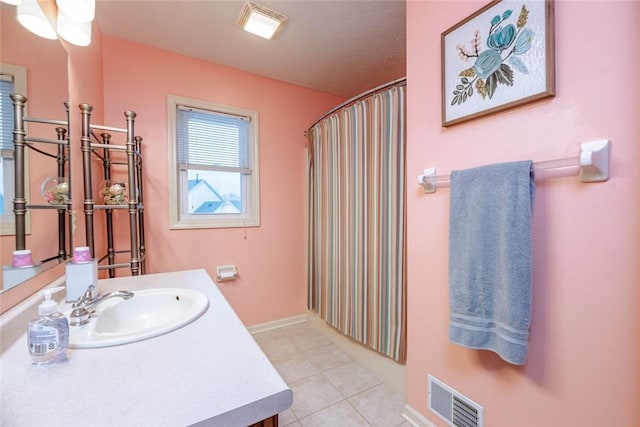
x=593 y=162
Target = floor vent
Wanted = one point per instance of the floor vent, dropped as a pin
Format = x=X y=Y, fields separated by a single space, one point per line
x=454 y=408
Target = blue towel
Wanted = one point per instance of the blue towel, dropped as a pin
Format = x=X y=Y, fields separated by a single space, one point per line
x=490 y=258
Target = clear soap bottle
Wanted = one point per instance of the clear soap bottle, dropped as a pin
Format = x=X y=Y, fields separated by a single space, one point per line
x=48 y=335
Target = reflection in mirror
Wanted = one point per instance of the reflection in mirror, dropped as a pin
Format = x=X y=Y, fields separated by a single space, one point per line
x=54 y=190
x=44 y=65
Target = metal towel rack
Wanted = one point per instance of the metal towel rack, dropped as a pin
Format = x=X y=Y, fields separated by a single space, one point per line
x=593 y=161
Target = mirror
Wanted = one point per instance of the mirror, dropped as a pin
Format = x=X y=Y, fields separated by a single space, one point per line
x=47 y=89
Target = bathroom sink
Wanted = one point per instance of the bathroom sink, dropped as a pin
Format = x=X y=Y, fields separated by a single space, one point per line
x=150 y=313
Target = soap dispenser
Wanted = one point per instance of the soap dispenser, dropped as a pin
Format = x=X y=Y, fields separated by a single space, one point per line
x=48 y=335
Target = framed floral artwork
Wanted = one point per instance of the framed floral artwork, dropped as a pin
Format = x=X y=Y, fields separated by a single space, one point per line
x=500 y=57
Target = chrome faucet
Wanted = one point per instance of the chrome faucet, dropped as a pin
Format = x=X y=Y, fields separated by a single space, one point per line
x=85 y=305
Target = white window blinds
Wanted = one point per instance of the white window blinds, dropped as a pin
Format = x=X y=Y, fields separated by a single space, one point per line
x=209 y=140
x=6 y=114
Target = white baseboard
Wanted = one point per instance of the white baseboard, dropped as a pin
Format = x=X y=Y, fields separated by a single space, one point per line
x=415 y=418
x=267 y=326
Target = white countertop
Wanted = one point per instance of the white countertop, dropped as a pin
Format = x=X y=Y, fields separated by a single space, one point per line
x=210 y=371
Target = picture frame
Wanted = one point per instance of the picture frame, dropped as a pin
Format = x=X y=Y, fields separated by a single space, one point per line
x=500 y=57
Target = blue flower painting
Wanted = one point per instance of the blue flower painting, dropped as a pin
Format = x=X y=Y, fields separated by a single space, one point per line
x=504 y=54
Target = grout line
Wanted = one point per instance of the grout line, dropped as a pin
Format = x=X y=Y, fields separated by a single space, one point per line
x=366 y=420
x=364 y=417
x=390 y=372
x=307 y=351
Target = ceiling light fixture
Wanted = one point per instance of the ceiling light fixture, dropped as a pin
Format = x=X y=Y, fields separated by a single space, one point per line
x=78 y=10
x=32 y=17
x=259 y=20
x=73 y=31
x=69 y=19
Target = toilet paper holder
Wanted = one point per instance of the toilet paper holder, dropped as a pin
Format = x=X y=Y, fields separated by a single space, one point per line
x=225 y=273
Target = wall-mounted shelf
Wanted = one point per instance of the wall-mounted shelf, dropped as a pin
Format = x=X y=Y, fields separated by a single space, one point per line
x=23 y=141
x=100 y=146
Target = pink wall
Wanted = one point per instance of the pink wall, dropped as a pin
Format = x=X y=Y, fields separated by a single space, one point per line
x=270 y=260
x=85 y=77
x=585 y=338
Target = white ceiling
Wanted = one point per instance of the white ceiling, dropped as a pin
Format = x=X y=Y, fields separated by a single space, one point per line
x=342 y=47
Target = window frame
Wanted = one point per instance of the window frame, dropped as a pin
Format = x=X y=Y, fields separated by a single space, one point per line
x=7 y=220
x=251 y=183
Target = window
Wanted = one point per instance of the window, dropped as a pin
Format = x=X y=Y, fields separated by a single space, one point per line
x=13 y=79
x=213 y=156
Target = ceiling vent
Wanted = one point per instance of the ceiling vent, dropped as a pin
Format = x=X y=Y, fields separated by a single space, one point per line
x=454 y=408
x=259 y=20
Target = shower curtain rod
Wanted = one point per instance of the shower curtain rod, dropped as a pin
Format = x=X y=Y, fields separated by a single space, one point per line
x=397 y=82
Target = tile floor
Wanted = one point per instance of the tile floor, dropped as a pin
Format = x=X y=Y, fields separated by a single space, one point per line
x=330 y=389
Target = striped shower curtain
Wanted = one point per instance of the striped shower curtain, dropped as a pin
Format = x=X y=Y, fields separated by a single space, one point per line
x=356 y=236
